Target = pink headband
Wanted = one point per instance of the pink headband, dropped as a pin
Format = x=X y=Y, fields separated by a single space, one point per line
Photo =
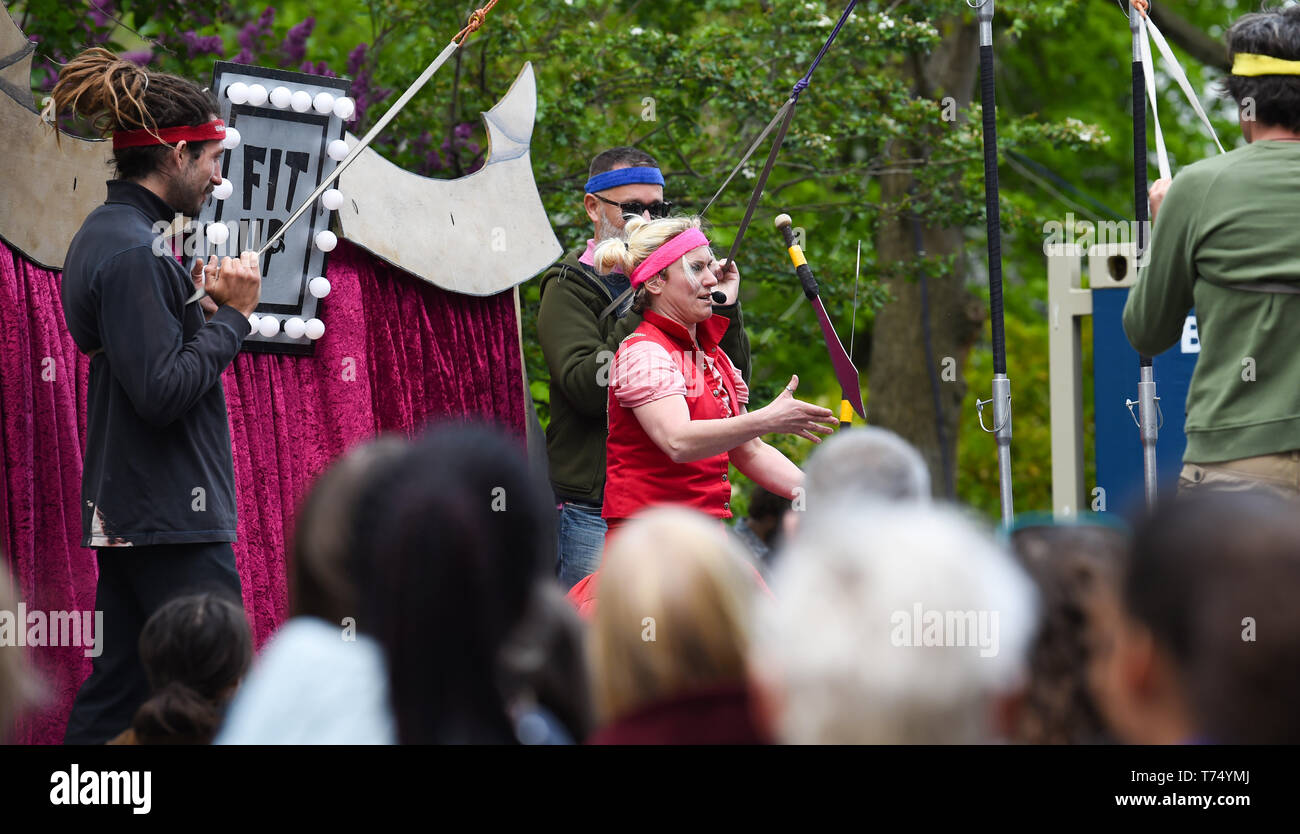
x=665 y=255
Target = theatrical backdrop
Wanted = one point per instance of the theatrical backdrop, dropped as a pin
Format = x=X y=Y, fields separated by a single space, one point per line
x=420 y=323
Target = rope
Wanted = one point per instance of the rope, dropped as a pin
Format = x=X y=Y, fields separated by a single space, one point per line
x=476 y=19
x=802 y=83
x=1151 y=33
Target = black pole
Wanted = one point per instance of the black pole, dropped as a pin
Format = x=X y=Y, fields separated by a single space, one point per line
x=992 y=220
x=1001 y=387
x=1147 y=420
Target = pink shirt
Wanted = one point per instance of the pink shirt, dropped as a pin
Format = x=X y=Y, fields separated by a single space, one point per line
x=644 y=372
x=589 y=257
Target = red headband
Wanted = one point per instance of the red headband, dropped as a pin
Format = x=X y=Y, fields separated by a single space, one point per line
x=215 y=129
x=667 y=254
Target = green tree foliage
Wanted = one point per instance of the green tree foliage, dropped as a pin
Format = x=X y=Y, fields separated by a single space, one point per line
x=693 y=83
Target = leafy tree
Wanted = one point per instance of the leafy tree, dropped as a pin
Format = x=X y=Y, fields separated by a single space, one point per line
x=886 y=132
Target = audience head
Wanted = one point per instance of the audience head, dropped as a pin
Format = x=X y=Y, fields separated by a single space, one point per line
x=455 y=535
x=1209 y=643
x=766 y=510
x=544 y=662
x=866 y=463
x=323 y=572
x=19 y=687
x=898 y=623
x=1076 y=568
x=195 y=650
x=674 y=613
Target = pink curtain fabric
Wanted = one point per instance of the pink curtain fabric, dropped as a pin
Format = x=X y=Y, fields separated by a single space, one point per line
x=396 y=354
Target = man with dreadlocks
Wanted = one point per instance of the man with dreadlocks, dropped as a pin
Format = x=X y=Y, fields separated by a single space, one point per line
x=158 y=488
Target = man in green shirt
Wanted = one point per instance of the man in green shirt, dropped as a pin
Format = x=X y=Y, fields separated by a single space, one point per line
x=1228 y=244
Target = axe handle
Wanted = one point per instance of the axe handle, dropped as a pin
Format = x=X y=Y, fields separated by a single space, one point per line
x=362 y=145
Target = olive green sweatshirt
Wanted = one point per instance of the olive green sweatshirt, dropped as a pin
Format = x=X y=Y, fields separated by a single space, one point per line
x=579 y=346
x=1228 y=220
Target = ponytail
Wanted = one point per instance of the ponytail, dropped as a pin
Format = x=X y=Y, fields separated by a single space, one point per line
x=176 y=714
x=114 y=94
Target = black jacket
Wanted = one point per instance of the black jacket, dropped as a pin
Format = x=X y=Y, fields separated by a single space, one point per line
x=158 y=467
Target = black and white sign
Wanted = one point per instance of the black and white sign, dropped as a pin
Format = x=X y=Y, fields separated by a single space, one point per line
x=285 y=123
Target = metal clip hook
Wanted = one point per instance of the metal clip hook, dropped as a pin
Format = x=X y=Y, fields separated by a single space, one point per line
x=979 y=411
x=1160 y=413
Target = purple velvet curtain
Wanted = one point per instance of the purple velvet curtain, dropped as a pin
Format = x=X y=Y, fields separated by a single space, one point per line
x=396 y=354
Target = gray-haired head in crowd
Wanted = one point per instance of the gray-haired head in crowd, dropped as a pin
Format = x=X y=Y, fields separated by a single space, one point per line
x=900 y=623
x=865 y=464
x=867 y=461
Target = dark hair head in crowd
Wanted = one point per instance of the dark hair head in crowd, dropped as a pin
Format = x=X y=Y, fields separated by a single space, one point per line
x=1213 y=577
x=1276 y=98
x=116 y=95
x=624 y=157
x=1072 y=565
x=324 y=574
x=195 y=650
x=766 y=504
x=544 y=663
x=457 y=534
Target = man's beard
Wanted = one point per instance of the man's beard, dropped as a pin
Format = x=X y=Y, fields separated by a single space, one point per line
x=605 y=230
x=188 y=199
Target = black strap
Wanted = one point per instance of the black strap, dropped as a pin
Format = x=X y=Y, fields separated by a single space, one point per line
x=614 y=305
x=776 y=120
x=762 y=180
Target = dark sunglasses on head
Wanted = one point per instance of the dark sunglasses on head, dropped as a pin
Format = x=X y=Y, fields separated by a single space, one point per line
x=657 y=209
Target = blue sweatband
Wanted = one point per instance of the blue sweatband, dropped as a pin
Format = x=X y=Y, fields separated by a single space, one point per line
x=625 y=176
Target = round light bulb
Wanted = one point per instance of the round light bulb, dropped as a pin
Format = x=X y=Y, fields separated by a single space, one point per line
x=332 y=199
x=231 y=139
x=319 y=286
x=281 y=96
x=257 y=95
x=218 y=233
x=326 y=240
x=224 y=190
x=301 y=101
x=315 y=329
x=324 y=103
x=268 y=326
x=337 y=150
x=344 y=107
x=295 y=327
x=254 y=320
x=237 y=92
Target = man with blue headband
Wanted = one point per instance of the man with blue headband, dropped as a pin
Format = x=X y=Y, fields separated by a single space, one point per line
x=582 y=319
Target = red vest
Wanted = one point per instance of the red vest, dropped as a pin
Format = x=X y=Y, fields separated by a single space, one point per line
x=638 y=473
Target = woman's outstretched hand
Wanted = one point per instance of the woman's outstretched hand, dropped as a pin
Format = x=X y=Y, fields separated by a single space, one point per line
x=786 y=415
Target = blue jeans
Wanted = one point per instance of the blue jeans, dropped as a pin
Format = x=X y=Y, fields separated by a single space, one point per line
x=581 y=539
